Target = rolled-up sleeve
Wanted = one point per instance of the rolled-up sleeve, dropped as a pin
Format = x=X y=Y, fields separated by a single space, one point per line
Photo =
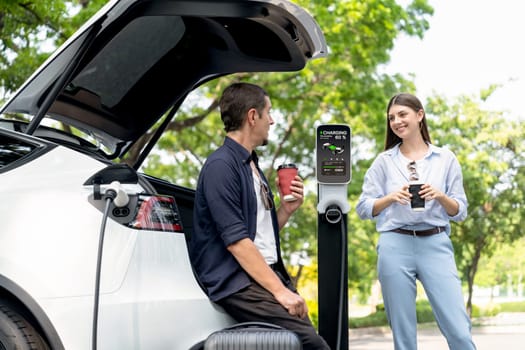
x=455 y=189
x=371 y=191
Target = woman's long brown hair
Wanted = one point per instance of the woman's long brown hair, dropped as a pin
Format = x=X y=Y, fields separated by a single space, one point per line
x=412 y=102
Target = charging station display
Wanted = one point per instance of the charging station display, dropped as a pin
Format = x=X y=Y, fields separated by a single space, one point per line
x=333 y=153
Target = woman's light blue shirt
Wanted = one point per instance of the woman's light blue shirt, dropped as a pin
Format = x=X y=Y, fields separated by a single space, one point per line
x=388 y=173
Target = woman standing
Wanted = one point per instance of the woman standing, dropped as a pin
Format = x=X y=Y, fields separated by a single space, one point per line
x=414 y=242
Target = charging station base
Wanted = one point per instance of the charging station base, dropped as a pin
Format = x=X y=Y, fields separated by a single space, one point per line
x=333 y=306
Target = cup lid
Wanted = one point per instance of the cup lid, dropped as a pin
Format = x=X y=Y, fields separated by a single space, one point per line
x=286 y=165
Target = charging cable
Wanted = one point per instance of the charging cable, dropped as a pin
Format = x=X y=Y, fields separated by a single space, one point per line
x=334 y=215
x=116 y=195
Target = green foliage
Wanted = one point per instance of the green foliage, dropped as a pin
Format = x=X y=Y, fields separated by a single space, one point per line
x=362 y=241
x=518 y=306
x=503 y=266
x=313 y=312
x=28 y=30
x=425 y=315
x=424 y=312
x=489 y=147
x=377 y=319
x=488 y=310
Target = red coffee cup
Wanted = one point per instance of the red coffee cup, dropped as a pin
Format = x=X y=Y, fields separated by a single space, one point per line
x=287 y=173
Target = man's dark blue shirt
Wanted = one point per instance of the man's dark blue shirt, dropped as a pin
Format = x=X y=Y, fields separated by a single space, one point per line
x=225 y=212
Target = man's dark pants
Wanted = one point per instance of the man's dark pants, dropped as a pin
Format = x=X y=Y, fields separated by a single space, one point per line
x=256 y=304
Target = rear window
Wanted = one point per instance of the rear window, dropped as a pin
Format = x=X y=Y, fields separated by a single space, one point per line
x=15 y=152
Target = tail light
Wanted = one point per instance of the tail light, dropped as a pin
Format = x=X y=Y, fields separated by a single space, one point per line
x=157 y=213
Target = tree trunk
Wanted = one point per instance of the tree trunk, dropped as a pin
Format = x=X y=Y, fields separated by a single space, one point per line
x=472 y=269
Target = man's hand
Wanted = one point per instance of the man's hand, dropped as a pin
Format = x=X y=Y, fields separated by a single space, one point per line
x=297 y=191
x=294 y=303
x=253 y=263
x=288 y=208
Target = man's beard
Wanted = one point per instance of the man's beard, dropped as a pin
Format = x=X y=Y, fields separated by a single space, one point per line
x=265 y=142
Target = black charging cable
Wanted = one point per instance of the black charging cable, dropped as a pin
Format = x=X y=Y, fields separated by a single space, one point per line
x=109 y=197
x=334 y=215
x=341 y=283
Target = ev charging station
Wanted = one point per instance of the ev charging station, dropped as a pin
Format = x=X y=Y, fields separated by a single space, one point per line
x=333 y=170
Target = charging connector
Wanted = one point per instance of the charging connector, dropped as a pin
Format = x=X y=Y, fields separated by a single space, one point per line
x=117 y=194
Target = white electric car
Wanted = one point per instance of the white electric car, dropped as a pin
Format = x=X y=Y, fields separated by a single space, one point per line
x=93 y=253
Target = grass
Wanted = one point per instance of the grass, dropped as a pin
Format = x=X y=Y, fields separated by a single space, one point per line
x=424 y=313
x=516 y=306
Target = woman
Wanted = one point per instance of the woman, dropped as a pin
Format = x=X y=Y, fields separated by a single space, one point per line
x=415 y=244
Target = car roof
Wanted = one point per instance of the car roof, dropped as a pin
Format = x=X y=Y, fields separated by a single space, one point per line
x=136 y=59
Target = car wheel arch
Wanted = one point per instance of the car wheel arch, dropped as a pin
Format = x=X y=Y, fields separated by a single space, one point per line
x=26 y=306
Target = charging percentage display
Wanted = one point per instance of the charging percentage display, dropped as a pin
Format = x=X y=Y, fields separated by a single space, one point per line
x=333 y=168
x=333 y=153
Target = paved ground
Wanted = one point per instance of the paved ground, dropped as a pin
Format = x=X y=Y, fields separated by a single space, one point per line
x=506 y=330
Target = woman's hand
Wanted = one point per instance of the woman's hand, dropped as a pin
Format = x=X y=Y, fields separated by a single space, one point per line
x=429 y=193
x=402 y=196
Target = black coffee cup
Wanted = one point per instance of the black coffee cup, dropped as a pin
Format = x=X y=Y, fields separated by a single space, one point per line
x=416 y=202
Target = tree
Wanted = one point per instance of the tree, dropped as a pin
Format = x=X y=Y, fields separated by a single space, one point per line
x=489 y=147
x=30 y=30
x=505 y=266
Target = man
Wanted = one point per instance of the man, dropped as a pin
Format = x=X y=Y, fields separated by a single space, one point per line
x=235 y=245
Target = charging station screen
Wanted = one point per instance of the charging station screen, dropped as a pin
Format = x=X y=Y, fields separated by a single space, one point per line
x=333 y=153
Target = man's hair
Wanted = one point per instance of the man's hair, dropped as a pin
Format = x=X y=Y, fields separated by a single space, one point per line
x=237 y=99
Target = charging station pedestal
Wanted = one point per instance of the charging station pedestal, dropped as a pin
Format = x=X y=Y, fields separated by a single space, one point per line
x=333 y=175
